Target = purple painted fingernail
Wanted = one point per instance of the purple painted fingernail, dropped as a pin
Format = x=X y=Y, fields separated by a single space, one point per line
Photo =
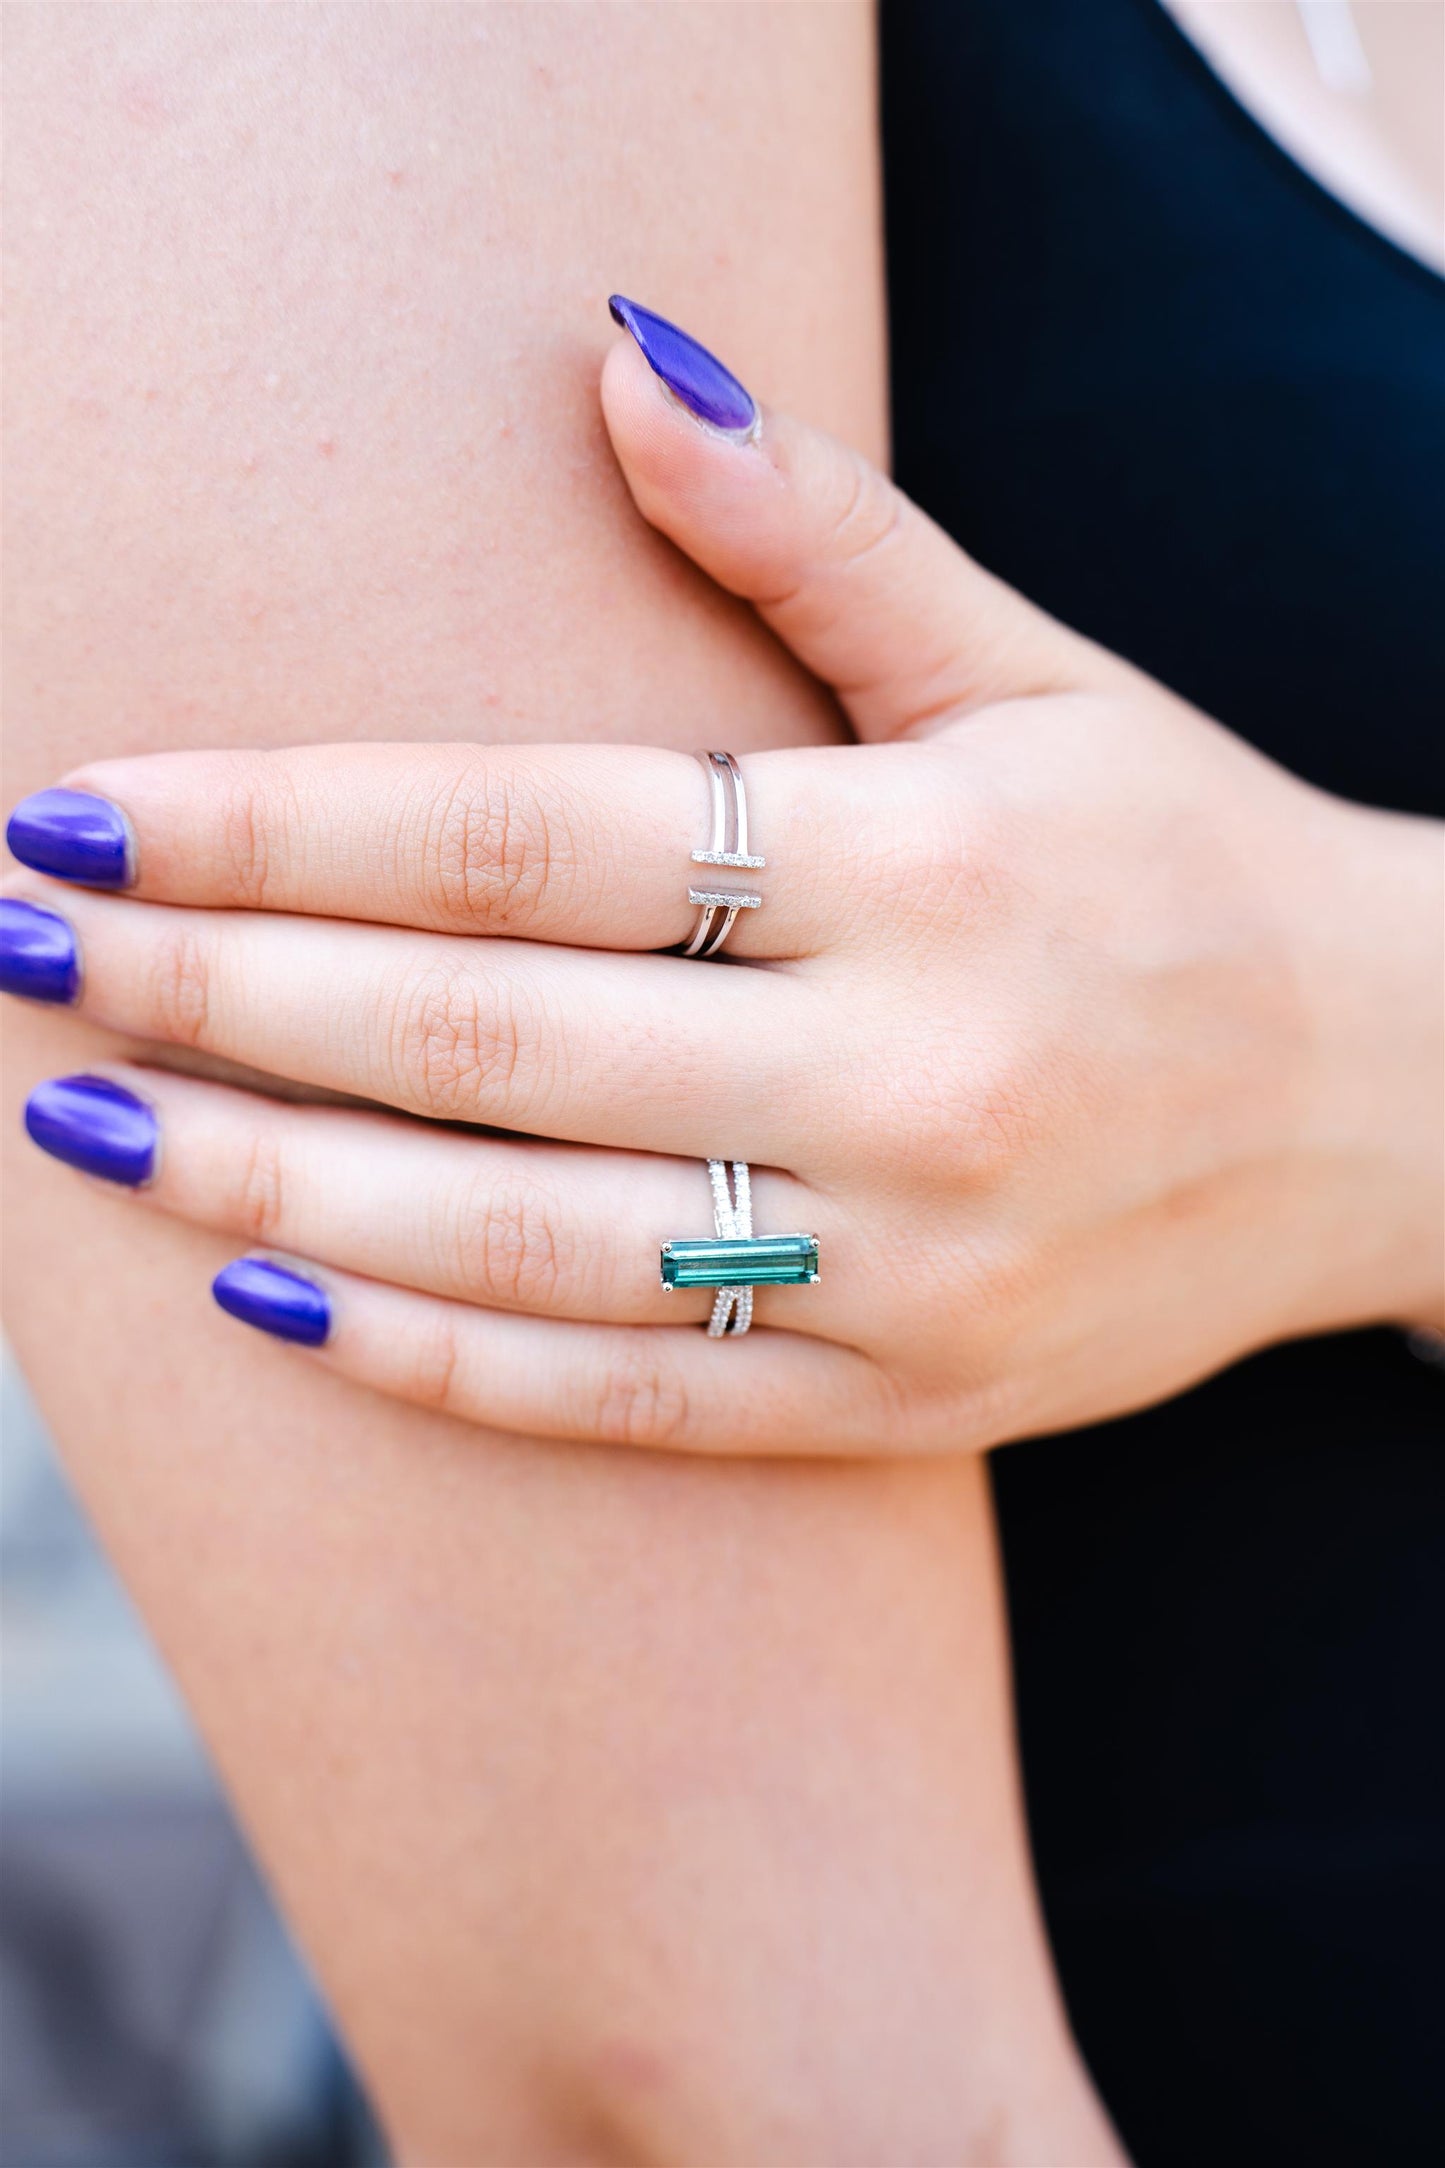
x=95 y=1125
x=273 y=1299
x=74 y=836
x=697 y=377
x=38 y=953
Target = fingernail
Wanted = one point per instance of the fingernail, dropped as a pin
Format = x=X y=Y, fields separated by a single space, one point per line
x=274 y=1300
x=697 y=377
x=38 y=953
x=75 y=836
x=95 y=1125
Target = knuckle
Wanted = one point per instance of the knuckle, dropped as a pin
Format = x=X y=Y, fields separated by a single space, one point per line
x=258 y=815
x=994 y=1405
x=259 y=1204
x=460 y=1044
x=966 y=855
x=434 y=1366
x=510 y=1246
x=181 y=987
x=499 y=840
x=1000 y=1110
x=641 y=1401
x=981 y=1112
x=243 y=835
x=972 y=1418
x=869 y=514
x=862 y=512
x=960 y=864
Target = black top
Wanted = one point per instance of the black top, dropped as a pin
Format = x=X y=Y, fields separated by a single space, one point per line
x=1160 y=379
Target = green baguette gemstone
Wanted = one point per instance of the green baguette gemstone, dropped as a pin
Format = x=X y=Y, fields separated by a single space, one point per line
x=743 y=1261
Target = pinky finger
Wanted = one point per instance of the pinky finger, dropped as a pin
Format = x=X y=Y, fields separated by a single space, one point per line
x=666 y=1388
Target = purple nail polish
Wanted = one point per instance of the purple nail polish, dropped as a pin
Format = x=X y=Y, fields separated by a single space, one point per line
x=697 y=377
x=74 y=836
x=95 y=1125
x=274 y=1300
x=38 y=953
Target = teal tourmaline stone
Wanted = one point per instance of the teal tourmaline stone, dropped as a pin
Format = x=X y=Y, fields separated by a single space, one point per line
x=742 y=1261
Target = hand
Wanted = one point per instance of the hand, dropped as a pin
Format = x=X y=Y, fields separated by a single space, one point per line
x=1095 y=1049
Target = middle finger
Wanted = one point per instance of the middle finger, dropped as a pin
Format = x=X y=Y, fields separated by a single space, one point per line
x=649 y=1052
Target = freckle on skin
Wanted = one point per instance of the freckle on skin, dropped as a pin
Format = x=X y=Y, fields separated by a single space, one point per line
x=326 y=446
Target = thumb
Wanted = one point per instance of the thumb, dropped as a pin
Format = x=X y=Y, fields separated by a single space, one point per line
x=862 y=586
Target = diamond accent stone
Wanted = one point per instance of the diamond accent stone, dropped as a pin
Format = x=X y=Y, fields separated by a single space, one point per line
x=724 y=899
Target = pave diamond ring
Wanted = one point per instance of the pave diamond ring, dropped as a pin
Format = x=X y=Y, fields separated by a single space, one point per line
x=717 y=908
x=736 y=1259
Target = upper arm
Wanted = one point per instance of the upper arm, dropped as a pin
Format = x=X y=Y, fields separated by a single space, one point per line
x=582 y=1776
x=307 y=306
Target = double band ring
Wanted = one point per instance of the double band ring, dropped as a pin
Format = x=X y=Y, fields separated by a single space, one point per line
x=717 y=908
x=737 y=1260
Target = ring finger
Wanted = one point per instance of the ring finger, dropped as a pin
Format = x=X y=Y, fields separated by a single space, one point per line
x=557 y=1230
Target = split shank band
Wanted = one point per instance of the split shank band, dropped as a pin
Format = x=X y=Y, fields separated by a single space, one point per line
x=735 y=1260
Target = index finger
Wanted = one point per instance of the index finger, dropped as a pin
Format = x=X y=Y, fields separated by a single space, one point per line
x=587 y=845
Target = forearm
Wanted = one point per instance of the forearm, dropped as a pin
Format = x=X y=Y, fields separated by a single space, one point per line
x=624 y=1806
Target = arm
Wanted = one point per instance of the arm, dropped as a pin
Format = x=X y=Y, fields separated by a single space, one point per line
x=627 y=1807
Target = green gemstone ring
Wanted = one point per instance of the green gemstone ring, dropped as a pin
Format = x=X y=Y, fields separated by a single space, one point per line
x=735 y=1260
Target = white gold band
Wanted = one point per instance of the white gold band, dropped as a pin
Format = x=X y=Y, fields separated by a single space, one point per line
x=717 y=908
x=732 y=1309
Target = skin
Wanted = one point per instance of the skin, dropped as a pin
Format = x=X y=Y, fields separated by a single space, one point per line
x=631 y=1808
x=1073 y=1010
x=1378 y=146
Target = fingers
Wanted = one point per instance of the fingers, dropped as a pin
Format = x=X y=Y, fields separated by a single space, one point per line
x=861 y=585
x=559 y=1231
x=652 y=1387
x=587 y=845
x=648 y=1052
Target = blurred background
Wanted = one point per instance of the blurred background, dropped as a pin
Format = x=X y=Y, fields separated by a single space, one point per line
x=153 y=2011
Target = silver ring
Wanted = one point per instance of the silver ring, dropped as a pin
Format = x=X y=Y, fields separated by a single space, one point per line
x=737 y=1258
x=717 y=908
x=732 y=1307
